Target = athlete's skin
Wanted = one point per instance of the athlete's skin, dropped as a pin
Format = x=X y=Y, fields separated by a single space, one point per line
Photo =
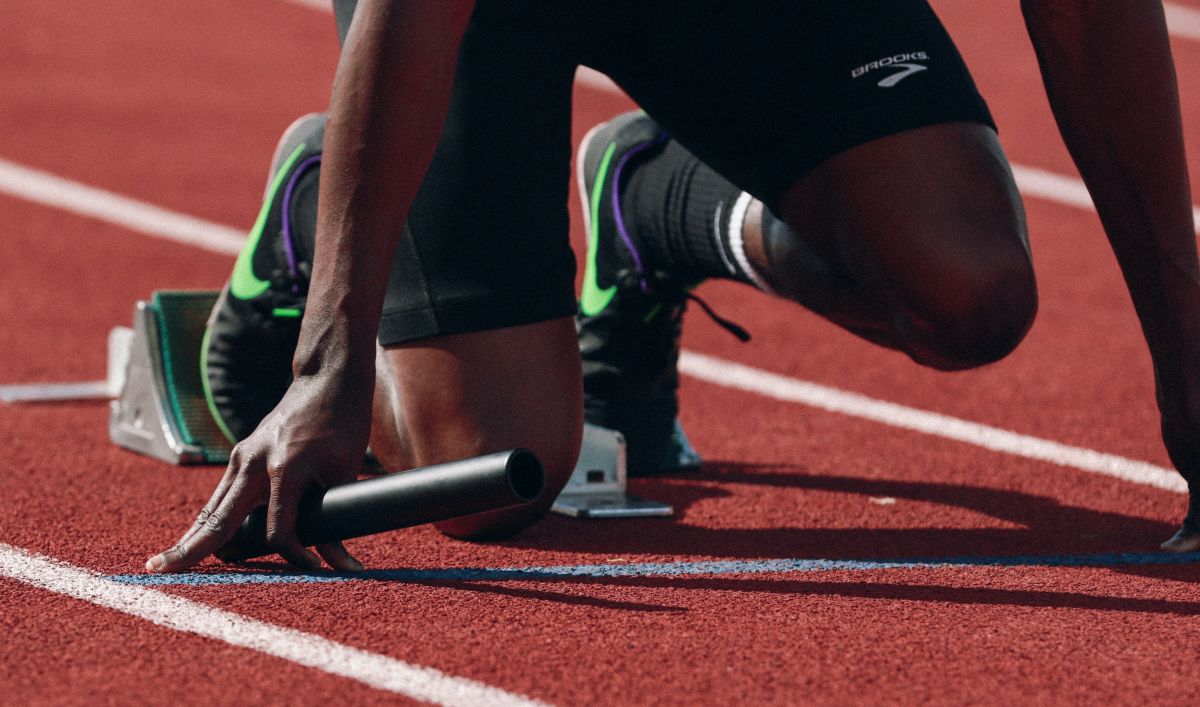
x=860 y=226
x=1109 y=74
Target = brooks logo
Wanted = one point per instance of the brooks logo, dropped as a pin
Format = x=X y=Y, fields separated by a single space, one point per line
x=899 y=61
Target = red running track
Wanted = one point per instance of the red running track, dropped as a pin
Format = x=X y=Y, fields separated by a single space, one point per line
x=179 y=104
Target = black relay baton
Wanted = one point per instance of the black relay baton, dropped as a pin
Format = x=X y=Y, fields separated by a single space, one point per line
x=440 y=492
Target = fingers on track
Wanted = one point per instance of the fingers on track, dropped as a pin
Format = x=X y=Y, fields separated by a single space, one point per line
x=238 y=493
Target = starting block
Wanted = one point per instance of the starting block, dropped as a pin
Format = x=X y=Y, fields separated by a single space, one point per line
x=596 y=488
x=160 y=408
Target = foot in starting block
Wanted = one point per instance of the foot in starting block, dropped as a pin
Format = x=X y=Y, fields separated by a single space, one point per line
x=161 y=411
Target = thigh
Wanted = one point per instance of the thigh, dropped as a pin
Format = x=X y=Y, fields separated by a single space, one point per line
x=929 y=220
x=764 y=92
x=486 y=244
x=929 y=227
x=859 y=125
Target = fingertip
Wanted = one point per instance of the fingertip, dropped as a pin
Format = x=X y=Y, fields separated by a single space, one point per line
x=155 y=564
x=1184 y=540
x=303 y=558
x=312 y=559
x=339 y=558
x=347 y=564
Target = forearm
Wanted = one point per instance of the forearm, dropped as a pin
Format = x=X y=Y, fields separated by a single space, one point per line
x=389 y=102
x=1110 y=77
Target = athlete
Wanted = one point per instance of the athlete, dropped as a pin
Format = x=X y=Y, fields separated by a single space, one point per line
x=837 y=154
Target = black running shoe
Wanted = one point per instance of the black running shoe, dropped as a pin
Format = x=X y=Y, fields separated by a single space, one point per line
x=246 y=358
x=630 y=314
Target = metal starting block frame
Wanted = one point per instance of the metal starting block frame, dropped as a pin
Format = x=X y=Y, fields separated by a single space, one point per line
x=161 y=411
x=596 y=488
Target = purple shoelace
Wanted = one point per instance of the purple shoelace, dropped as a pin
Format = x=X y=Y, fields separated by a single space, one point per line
x=643 y=279
x=289 y=245
x=619 y=214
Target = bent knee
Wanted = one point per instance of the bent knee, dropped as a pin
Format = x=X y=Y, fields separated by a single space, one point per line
x=976 y=322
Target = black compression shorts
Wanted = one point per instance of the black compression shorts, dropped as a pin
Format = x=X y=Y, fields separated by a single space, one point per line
x=763 y=91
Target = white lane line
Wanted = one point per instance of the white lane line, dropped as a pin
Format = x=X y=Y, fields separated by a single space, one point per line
x=326 y=5
x=305 y=649
x=1070 y=191
x=753 y=380
x=1041 y=184
x=120 y=345
x=51 y=190
x=50 y=392
x=727 y=373
x=151 y=220
x=1182 y=22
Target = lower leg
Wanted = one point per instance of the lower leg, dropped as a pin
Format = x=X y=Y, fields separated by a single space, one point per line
x=687 y=220
x=469 y=394
x=928 y=228
x=913 y=241
x=794 y=269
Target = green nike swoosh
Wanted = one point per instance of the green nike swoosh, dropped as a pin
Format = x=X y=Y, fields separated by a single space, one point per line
x=244 y=284
x=594 y=299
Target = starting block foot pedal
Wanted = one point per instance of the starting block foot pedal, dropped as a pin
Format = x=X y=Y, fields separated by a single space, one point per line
x=161 y=410
x=596 y=488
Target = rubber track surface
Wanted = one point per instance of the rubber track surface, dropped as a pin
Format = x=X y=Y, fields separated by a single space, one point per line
x=179 y=104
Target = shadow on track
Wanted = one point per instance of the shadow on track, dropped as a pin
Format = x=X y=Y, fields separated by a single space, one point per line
x=1037 y=526
x=1045 y=525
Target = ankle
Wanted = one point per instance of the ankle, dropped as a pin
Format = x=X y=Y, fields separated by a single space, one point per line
x=681 y=216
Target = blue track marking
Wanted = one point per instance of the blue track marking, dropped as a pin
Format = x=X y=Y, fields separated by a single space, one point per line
x=651 y=569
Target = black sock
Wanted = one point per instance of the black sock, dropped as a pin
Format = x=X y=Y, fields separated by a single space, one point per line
x=678 y=211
